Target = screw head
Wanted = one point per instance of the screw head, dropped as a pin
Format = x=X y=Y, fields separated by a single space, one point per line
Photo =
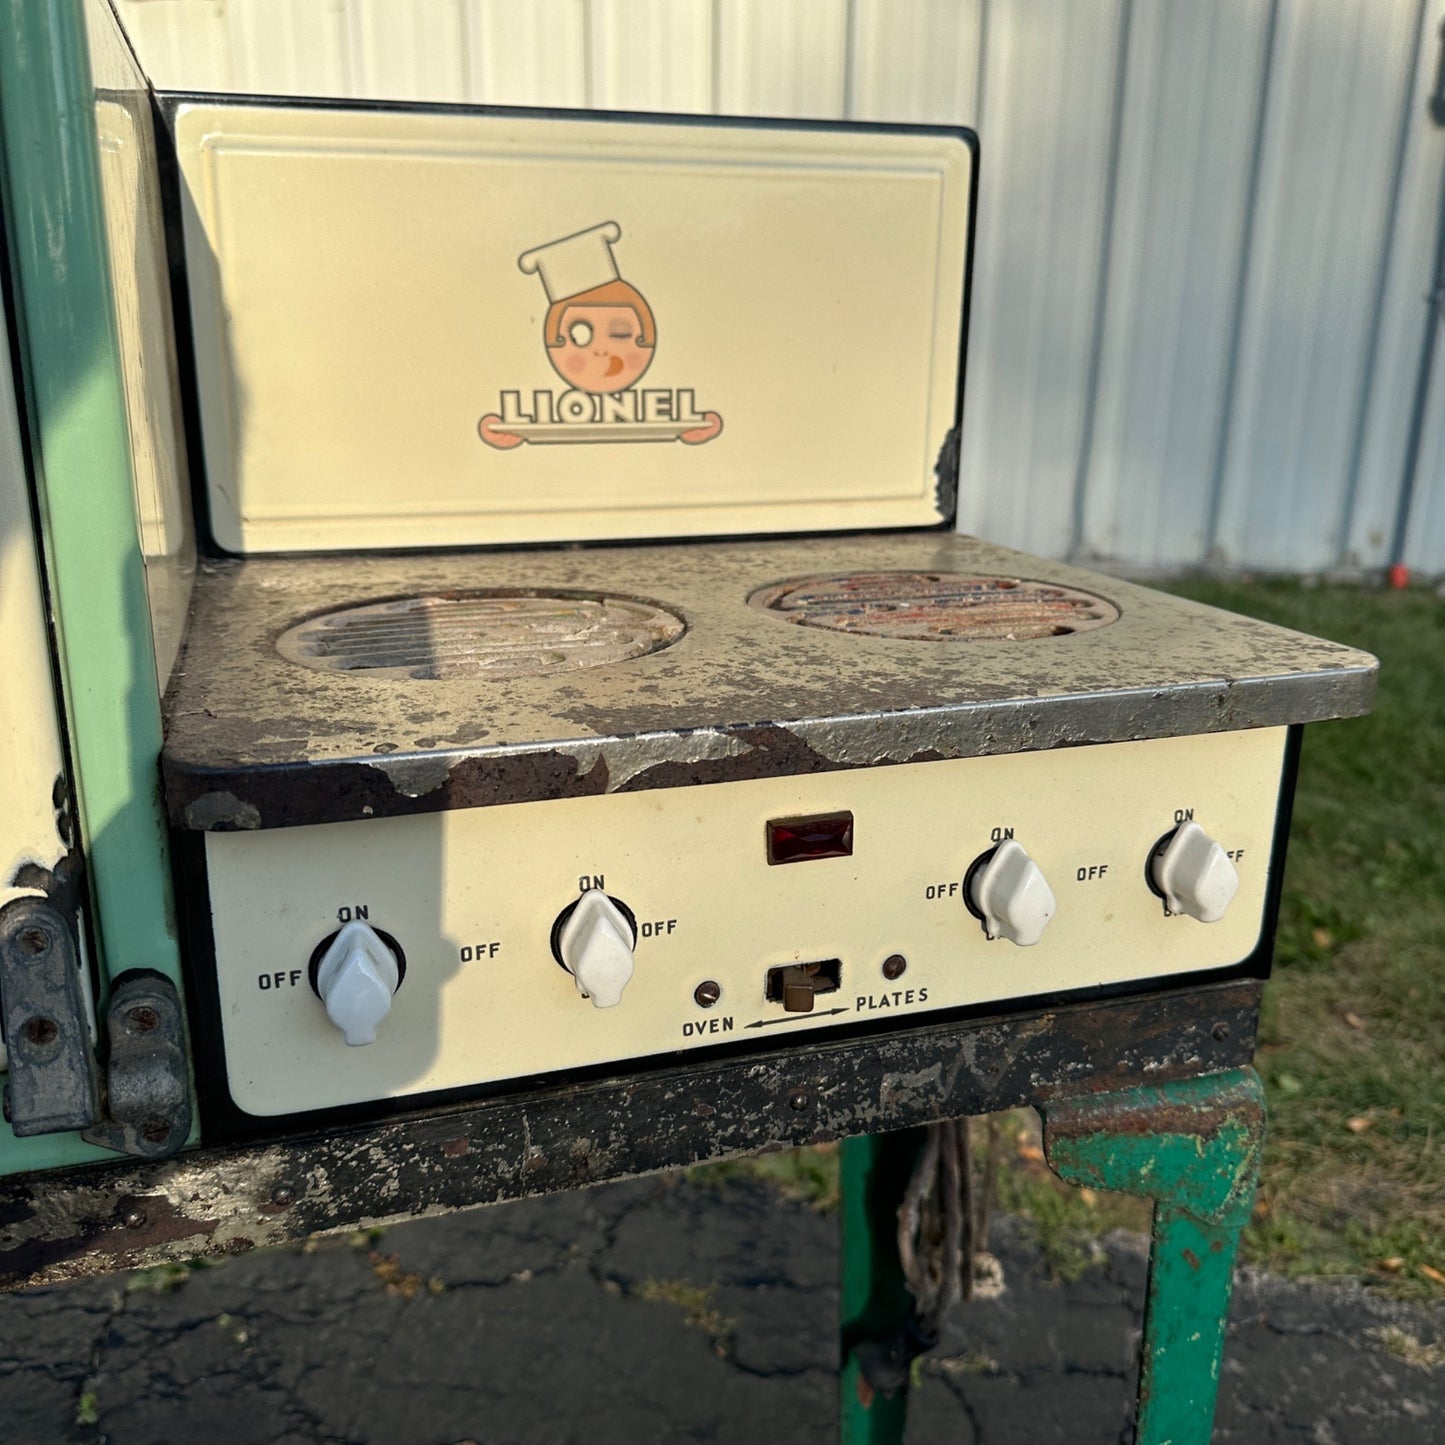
x=706 y=994
x=142 y=1020
x=155 y=1130
x=33 y=941
x=41 y=1031
x=1220 y=1032
x=894 y=966
x=799 y=1100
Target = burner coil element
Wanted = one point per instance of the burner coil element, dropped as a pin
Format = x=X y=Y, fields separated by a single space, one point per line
x=495 y=633
x=936 y=606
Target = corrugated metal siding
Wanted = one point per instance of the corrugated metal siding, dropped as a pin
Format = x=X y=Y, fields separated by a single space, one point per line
x=1187 y=145
x=1396 y=402
x=1340 y=70
x=1206 y=231
x=920 y=62
x=652 y=55
x=1046 y=130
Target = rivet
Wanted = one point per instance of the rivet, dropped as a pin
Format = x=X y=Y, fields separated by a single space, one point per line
x=706 y=994
x=134 y=1218
x=799 y=1099
x=894 y=966
x=282 y=1195
x=1220 y=1032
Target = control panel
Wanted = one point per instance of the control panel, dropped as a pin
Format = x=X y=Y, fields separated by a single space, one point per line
x=373 y=960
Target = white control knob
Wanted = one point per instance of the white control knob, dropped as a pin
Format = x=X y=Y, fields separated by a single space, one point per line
x=357 y=978
x=596 y=944
x=1013 y=895
x=1195 y=875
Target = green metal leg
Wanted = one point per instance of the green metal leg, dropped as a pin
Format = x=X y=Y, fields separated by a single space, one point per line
x=877 y=1309
x=1193 y=1148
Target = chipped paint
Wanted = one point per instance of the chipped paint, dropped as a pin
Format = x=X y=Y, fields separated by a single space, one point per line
x=415 y=777
x=1191 y=1145
x=256 y=741
x=222 y=1201
x=221 y=811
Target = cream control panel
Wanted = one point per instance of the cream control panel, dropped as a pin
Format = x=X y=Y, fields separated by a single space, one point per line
x=500 y=943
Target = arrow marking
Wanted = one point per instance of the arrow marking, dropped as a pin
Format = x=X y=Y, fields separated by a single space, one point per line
x=796 y=1018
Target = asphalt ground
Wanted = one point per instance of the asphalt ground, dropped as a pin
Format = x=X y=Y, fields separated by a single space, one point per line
x=664 y=1309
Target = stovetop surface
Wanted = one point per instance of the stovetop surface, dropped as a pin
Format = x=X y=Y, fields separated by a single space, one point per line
x=255 y=739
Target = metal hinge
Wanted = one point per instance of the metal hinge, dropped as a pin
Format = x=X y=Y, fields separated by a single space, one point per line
x=53 y=1080
x=148 y=1082
x=142 y=1106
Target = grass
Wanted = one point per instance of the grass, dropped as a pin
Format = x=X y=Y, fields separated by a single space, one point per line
x=695 y=1302
x=809 y=1175
x=1352 y=1043
x=1405 y=1346
x=1354 y=1017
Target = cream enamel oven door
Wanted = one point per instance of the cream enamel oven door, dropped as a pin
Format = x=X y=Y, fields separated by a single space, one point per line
x=472 y=900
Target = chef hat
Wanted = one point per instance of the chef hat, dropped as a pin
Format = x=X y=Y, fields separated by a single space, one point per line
x=576 y=263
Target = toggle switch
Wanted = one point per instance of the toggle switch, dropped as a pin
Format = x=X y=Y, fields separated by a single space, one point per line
x=595 y=943
x=1010 y=893
x=357 y=978
x=1194 y=874
x=796 y=985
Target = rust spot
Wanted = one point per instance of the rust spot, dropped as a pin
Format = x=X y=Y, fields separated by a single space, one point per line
x=935 y=606
x=72 y=1229
x=1161 y=1117
x=1216 y=1246
x=1191 y=1259
x=457 y=1148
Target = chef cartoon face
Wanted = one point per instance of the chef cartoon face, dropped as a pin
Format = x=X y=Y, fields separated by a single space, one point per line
x=602 y=339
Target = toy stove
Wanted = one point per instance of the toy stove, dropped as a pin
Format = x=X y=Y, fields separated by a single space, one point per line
x=468 y=817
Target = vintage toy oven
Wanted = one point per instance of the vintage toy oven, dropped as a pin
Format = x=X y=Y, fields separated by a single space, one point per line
x=588 y=745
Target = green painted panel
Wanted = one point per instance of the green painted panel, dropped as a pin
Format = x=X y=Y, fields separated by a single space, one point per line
x=72 y=385
x=1193 y=1147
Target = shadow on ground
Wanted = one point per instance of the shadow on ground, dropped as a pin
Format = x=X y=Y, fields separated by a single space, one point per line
x=651 y=1311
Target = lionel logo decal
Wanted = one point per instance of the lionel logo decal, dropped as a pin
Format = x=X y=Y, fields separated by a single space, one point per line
x=601 y=337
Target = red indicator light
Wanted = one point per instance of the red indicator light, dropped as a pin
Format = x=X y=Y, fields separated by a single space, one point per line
x=796 y=840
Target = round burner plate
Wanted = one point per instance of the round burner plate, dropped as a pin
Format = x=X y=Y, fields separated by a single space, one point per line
x=936 y=606
x=489 y=633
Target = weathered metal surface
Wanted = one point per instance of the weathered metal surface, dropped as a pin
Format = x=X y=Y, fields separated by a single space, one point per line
x=481 y=634
x=222 y=1201
x=148 y=1079
x=254 y=742
x=1194 y=1144
x=1193 y=1147
x=52 y=1083
x=936 y=606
